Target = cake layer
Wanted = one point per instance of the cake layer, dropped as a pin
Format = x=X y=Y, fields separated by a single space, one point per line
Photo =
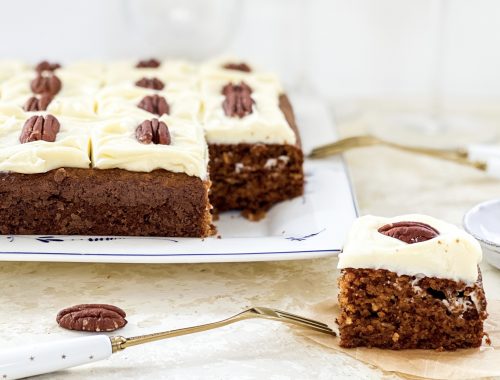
x=254 y=177
x=381 y=309
x=70 y=201
x=452 y=254
x=139 y=121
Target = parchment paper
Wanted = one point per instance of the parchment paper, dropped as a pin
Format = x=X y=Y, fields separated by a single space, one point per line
x=460 y=364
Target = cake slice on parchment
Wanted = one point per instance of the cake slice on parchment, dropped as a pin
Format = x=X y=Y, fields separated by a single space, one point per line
x=410 y=282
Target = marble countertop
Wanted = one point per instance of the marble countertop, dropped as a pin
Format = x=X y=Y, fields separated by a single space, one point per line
x=160 y=297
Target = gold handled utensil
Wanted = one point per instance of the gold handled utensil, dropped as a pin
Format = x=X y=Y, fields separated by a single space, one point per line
x=44 y=357
x=459 y=156
x=120 y=343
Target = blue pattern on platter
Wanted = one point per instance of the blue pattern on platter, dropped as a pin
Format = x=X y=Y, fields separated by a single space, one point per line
x=305 y=237
x=58 y=239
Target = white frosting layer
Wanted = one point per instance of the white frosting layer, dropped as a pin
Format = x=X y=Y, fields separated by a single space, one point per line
x=73 y=84
x=9 y=68
x=114 y=145
x=454 y=254
x=172 y=73
x=81 y=107
x=104 y=96
x=266 y=124
x=214 y=69
x=71 y=148
x=123 y=100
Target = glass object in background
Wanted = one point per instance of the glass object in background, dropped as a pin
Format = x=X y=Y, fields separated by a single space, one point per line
x=435 y=124
x=194 y=29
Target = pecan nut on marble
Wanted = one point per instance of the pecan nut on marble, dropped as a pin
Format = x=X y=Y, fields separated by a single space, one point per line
x=46 y=84
x=242 y=66
x=153 y=83
x=155 y=104
x=37 y=103
x=148 y=63
x=92 y=317
x=47 y=66
x=153 y=131
x=409 y=232
x=238 y=101
x=40 y=128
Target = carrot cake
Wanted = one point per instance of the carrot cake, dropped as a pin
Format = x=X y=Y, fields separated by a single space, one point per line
x=410 y=282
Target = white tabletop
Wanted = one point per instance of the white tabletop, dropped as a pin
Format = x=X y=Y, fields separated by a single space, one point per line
x=160 y=297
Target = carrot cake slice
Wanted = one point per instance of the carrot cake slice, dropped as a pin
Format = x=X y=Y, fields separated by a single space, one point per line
x=410 y=282
x=255 y=152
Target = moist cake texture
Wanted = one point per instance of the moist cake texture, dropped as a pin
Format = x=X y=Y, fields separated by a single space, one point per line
x=256 y=158
x=410 y=282
x=142 y=148
x=72 y=201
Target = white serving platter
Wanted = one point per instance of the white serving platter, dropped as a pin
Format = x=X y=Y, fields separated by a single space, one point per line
x=311 y=226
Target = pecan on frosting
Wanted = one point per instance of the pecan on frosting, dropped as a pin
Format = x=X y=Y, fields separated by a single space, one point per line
x=47 y=66
x=37 y=103
x=155 y=104
x=409 y=232
x=238 y=101
x=153 y=83
x=148 y=63
x=40 y=128
x=46 y=84
x=153 y=131
x=241 y=66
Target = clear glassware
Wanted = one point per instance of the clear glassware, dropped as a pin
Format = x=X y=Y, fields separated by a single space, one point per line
x=194 y=29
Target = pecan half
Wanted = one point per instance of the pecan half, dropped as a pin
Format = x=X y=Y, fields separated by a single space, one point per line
x=153 y=83
x=148 y=63
x=47 y=66
x=37 y=103
x=409 y=232
x=46 y=84
x=92 y=317
x=153 y=131
x=40 y=128
x=154 y=104
x=238 y=100
x=242 y=66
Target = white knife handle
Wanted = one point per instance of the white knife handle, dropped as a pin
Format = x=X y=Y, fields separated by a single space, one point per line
x=493 y=167
x=24 y=361
x=483 y=152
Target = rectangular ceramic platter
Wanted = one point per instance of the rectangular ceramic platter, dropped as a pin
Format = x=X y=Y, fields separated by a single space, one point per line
x=314 y=225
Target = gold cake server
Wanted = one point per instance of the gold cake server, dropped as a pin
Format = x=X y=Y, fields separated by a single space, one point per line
x=480 y=157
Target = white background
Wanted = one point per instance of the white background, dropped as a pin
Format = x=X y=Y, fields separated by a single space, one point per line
x=341 y=48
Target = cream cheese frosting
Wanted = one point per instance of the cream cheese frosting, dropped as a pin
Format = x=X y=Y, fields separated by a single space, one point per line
x=172 y=73
x=453 y=254
x=73 y=84
x=81 y=107
x=214 y=69
x=266 y=124
x=103 y=97
x=114 y=145
x=123 y=99
x=71 y=148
